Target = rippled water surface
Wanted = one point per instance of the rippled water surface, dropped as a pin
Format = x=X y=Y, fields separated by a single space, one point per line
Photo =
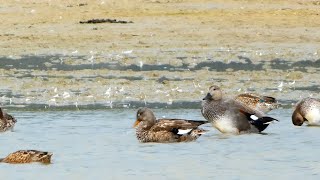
x=102 y=145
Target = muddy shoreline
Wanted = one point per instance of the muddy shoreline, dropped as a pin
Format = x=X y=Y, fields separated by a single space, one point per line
x=167 y=58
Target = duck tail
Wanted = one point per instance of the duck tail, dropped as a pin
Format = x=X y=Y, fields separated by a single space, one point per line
x=263 y=122
x=269 y=99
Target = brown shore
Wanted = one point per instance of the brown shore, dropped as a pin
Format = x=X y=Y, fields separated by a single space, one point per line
x=176 y=33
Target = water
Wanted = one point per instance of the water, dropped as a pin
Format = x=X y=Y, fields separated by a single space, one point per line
x=102 y=145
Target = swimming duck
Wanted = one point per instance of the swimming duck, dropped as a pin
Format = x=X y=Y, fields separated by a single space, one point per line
x=230 y=116
x=308 y=110
x=28 y=156
x=7 y=121
x=149 y=129
x=258 y=102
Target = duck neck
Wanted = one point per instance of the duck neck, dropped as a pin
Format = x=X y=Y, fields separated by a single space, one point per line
x=143 y=130
x=141 y=134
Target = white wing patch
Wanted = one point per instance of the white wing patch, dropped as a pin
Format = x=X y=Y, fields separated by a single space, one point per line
x=183 y=131
x=268 y=122
x=254 y=117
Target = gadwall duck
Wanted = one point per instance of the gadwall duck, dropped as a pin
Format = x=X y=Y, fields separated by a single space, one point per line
x=258 y=102
x=308 y=110
x=28 y=156
x=149 y=129
x=230 y=116
x=7 y=121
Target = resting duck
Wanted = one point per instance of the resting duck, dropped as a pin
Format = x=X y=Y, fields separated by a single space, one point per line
x=255 y=101
x=230 y=116
x=7 y=121
x=148 y=129
x=28 y=156
x=308 y=110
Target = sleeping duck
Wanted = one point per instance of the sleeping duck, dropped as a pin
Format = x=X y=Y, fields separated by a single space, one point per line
x=307 y=110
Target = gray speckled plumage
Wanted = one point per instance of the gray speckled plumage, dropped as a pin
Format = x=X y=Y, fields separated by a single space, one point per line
x=230 y=116
x=307 y=110
x=7 y=121
x=149 y=129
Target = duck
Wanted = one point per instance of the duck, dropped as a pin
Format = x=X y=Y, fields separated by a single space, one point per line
x=150 y=129
x=28 y=156
x=258 y=102
x=229 y=116
x=307 y=110
x=7 y=121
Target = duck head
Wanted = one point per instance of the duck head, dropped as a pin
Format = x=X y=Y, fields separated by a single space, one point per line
x=214 y=93
x=42 y=157
x=297 y=118
x=145 y=118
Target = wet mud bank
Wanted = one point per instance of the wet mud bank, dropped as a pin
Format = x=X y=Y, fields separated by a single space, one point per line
x=60 y=82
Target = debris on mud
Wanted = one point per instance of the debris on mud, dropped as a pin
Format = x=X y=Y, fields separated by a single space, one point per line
x=95 y=21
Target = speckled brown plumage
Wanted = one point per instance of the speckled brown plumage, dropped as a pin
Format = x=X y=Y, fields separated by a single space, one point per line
x=7 y=121
x=258 y=102
x=28 y=156
x=149 y=129
x=307 y=110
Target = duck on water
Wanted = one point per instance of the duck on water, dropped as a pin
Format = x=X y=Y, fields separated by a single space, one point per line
x=230 y=116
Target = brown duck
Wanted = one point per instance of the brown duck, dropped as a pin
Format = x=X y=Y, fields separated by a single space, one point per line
x=149 y=129
x=258 y=102
x=28 y=156
x=7 y=121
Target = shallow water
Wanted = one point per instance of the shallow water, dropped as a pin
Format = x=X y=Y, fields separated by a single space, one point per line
x=102 y=145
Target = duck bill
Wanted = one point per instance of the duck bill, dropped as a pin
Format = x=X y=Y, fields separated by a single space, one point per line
x=208 y=97
x=136 y=123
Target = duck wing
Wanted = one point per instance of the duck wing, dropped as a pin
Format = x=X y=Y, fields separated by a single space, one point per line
x=258 y=102
x=174 y=125
x=241 y=107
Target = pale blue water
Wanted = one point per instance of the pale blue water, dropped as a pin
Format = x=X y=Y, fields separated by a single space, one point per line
x=102 y=145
